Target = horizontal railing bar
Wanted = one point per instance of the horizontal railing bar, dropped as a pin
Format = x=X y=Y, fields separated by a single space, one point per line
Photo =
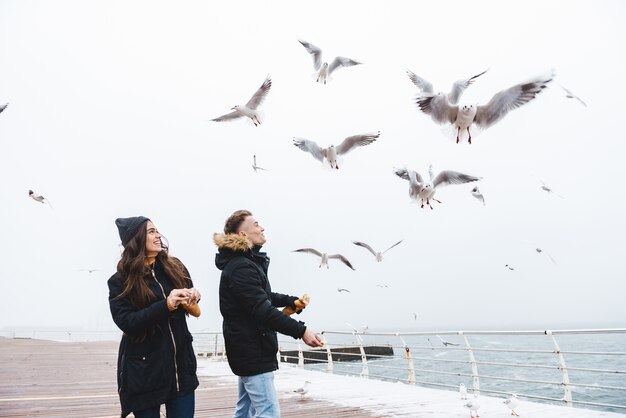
x=529 y=332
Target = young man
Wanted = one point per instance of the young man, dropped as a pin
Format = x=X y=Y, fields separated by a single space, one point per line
x=251 y=319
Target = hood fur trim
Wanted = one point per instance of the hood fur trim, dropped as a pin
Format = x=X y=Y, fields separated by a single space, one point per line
x=233 y=242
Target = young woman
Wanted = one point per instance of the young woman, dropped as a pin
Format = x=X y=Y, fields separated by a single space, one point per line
x=156 y=364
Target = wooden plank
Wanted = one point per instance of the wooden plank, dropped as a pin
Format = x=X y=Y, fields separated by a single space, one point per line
x=78 y=379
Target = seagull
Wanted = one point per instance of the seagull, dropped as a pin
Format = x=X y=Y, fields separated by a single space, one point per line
x=2 y=107
x=463 y=391
x=446 y=343
x=512 y=403
x=478 y=195
x=89 y=270
x=256 y=167
x=425 y=190
x=325 y=257
x=249 y=109
x=548 y=189
x=455 y=93
x=473 y=406
x=509 y=267
x=303 y=390
x=462 y=118
x=539 y=251
x=382 y=285
x=378 y=255
x=325 y=70
x=38 y=198
x=414 y=316
x=571 y=95
x=331 y=153
x=339 y=289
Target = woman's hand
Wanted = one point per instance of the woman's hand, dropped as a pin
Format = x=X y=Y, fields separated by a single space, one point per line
x=195 y=295
x=177 y=296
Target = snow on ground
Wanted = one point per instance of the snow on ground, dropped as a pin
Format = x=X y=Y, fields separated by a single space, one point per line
x=394 y=399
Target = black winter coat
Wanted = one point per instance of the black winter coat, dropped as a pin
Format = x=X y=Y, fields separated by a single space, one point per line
x=248 y=307
x=163 y=365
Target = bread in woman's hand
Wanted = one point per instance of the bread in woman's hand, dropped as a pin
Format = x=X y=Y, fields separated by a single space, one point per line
x=192 y=308
x=300 y=305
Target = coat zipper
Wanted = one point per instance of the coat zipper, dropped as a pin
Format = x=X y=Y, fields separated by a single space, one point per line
x=171 y=333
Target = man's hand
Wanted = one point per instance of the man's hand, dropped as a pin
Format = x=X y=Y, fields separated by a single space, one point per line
x=312 y=339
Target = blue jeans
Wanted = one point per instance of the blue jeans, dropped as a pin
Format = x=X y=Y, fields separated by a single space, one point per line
x=257 y=397
x=179 y=407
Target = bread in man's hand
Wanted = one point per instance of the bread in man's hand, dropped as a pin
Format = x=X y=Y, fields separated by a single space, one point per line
x=300 y=305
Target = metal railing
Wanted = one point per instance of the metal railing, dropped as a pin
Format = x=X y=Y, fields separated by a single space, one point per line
x=544 y=359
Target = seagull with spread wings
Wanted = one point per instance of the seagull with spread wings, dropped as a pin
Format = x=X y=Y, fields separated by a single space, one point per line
x=3 y=106
x=256 y=167
x=325 y=257
x=377 y=254
x=332 y=152
x=464 y=117
x=323 y=69
x=420 y=189
x=455 y=93
x=571 y=95
x=250 y=109
x=38 y=198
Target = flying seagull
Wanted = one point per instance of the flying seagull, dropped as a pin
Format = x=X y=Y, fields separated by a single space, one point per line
x=38 y=198
x=89 y=270
x=425 y=190
x=571 y=95
x=378 y=255
x=512 y=403
x=256 y=167
x=447 y=343
x=478 y=195
x=455 y=93
x=548 y=189
x=325 y=257
x=539 y=251
x=463 y=118
x=509 y=267
x=331 y=153
x=324 y=70
x=341 y=289
x=3 y=106
x=303 y=390
x=249 y=109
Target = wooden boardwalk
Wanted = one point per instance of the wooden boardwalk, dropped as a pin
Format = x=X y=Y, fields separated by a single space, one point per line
x=77 y=380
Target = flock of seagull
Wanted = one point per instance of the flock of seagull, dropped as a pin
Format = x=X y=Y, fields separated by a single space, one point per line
x=473 y=405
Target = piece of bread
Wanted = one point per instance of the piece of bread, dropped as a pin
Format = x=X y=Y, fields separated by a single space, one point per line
x=192 y=308
x=300 y=305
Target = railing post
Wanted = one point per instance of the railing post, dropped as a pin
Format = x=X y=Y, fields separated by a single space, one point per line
x=300 y=357
x=475 y=380
x=365 y=371
x=215 y=346
x=567 y=395
x=407 y=350
x=329 y=356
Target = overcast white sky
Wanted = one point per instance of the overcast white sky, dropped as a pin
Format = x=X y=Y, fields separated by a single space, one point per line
x=109 y=114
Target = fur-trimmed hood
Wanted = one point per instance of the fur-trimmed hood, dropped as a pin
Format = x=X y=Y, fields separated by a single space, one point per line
x=232 y=246
x=233 y=242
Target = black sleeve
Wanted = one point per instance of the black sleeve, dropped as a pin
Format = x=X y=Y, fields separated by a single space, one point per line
x=279 y=300
x=128 y=317
x=246 y=285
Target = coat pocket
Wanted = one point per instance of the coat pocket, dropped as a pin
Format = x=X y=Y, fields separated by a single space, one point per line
x=148 y=372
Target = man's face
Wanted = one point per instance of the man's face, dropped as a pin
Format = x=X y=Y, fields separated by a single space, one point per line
x=250 y=228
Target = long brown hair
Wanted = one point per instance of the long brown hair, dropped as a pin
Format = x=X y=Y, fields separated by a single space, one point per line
x=136 y=275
